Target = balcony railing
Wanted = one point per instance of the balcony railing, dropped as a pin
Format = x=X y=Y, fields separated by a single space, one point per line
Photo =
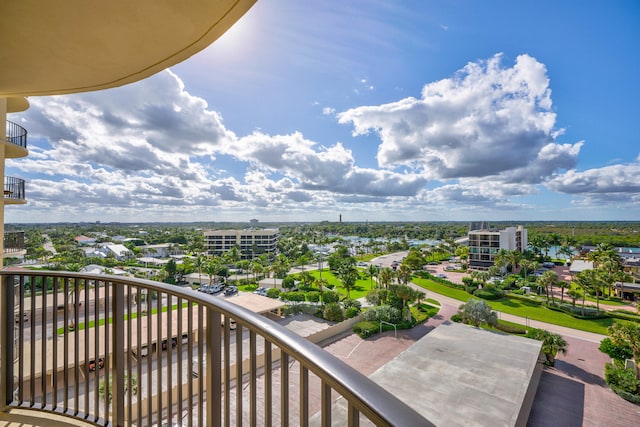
x=14 y=189
x=16 y=134
x=121 y=351
x=13 y=241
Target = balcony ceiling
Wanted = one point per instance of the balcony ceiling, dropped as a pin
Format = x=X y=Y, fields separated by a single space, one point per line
x=68 y=46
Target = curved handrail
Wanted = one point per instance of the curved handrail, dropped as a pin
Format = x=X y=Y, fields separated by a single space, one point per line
x=362 y=394
x=14 y=188
x=16 y=134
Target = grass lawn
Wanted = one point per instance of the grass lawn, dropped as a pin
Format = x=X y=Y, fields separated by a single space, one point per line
x=523 y=308
x=423 y=312
x=359 y=290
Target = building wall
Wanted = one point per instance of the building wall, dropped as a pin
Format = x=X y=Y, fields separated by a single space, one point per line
x=485 y=244
x=251 y=243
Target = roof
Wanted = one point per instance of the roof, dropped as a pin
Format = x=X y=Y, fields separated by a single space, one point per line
x=579 y=265
x=118 y=249
x=70 y=46
x=256 y=303
x=458 y=375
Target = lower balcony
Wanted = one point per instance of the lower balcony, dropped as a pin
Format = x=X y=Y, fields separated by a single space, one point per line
x=13 y=241
x=107 y=350
x=14 y=190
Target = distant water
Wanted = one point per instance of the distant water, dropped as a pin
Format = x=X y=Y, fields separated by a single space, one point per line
x=553 y=251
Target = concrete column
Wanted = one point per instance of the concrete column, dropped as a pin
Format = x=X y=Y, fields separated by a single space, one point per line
x=3 y=138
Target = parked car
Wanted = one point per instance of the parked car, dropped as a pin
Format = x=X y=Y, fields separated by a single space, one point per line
x=25 y=317
x=441 y=275
x=215 y=288
x=548 y=264
x=230 y=290
x=261 y=291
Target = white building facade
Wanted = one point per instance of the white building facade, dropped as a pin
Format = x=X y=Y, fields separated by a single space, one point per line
x=251 y=243
x=485 y=244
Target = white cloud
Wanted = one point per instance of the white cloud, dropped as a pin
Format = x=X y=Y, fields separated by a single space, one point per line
x=609 y=184
x=486 y=121
x=471 y=143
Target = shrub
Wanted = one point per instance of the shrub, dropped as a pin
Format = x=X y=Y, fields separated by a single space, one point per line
x=617 y=352
x=624 y=380
x=313 y=296
x=488 y=293
x=349 y=303
x=624 y=315
x=296 y=296
x=288 y=282
x=329 y=297
x=383 y=312
x=351 y=312
x=302 y=308
x=510 y=329
x=333 y=312
x=456 y=318
x=273 y=293
x=366 y=329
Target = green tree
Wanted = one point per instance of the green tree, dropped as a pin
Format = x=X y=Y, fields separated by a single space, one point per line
x=348 y=275
x=200 y=263
x=372 y=271
x=385 y=277
x=552 y=344
x=406 y=294
x=404 y=274
x=627 y=333
x=547 y=280
x=333 y=312
x=414 y=260
x=171 y=268
x=476 y=312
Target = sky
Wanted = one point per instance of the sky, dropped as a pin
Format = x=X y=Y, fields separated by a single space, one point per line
x=425 y=110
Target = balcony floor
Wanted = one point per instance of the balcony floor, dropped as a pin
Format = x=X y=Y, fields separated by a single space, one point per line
x=27 y=418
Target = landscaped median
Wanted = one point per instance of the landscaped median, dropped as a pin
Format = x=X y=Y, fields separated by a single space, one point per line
x=521 y=307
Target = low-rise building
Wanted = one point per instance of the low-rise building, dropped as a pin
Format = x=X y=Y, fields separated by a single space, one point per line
x=250 y=243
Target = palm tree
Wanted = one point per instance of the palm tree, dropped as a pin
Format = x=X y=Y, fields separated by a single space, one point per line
x=372 y=271
x=552 y=344
x=405 y=293
x=525 y=265
x=582 y=280
x=476 y=312
x=480 y=276
x=211 y=267
x=547 y=280
x=404 y=274
x=348 y=275
x=232 y=256
x=256 y=268
x=385 y=277
x=513 y=258
x=562 y=285
x=574 y=294
x=199 y=264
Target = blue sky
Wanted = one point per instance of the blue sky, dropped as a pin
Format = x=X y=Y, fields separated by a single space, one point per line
x=376 y=110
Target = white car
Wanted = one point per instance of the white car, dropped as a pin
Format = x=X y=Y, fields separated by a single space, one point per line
x=261 y=291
